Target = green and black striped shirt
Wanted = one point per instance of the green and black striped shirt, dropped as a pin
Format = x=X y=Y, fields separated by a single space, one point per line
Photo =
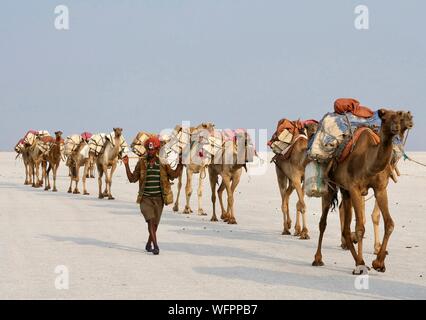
x=152 y=182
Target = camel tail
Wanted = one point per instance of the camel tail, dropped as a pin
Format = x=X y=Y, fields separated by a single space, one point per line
x=334 y=200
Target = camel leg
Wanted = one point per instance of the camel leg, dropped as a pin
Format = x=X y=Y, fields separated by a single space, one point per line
x=326 y=204
x=301 y=209
x=26 y=173
x=105 y=170
x=359 y=207
x=114 y=166
x=375 y=216
x=71 y=179
x=100 y=174
x=54 y=172
x=77 y=178
x=213 y=180
x=382 y=201
x=188 y=191
x=179 y=187
x=85 y=176
x=44 y=176
x=343 y=244
x=286 y=209
x=282 y=185
x=235 y=181
x=223 y=216
x=200 y=194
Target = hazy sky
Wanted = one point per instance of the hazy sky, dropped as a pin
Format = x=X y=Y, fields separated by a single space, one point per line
x=149 y=64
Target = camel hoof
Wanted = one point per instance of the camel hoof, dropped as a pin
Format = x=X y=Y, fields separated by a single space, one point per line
x=76 y=192
x=46 y=188
x=286 y=232
x=379 y=266
x=232 y=221
x=92 y=176
x=111 y=198
x=360 y=269
x=213 y=219
x=297 y=234
x=54 y=190
x=304 y=236
x=175 y=208
x=201 y=213
x=101 y=196
x=86 y=193
x=69 y=191
x=317 y=263
x=187 y=211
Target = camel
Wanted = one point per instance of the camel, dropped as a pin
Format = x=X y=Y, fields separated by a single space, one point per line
x=229 y=166
x=23 y=149
x=36 y=159
x=290 y=173
x=391 y=171
x=362 y=170
x=53 y=157
x=108 y=158
x=198 y=140
x=75 y=161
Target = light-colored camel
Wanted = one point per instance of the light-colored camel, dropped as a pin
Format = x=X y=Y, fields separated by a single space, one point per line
x=53 y=158
x=36 y=161
x=23 y=150
x=391 y=172
x=198 y=139
x=290 y=173
x=230 y=167
x=360 y=171
x=107 y=159
x=76 y=160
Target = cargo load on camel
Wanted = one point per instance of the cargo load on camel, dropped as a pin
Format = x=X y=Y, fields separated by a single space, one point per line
x=286 y=135
x=97 y=142
x=230 y=144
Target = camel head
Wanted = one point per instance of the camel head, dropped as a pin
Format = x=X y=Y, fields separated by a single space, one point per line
x=117 y=132
x=391 y=121
x=58 y=134
x=407 y=121
x=311 y=128
x=20 y=146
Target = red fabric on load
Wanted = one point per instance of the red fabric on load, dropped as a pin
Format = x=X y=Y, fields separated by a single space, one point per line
x=348 y=148
x=47 y=139
x=155 y=141
x=310 y=121
x=343 y=105
x=86 y=135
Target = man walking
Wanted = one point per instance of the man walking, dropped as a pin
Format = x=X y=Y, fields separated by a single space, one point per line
x=154 y=188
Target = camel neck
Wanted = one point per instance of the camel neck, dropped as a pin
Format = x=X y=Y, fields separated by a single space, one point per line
x=382 y=154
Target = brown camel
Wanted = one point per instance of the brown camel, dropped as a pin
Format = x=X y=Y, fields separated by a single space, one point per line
x=228 y=163
x=198 y=139
x=107 y=159
x=76 y=160
x=53 y=158
x=290 y=173
x=360 y=171
x=22 y=149
x=390 y=172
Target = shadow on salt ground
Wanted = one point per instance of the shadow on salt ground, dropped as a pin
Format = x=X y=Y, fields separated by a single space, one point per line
x=83 y=241
x=225 y=252
x=378 y=288
x=225 y=231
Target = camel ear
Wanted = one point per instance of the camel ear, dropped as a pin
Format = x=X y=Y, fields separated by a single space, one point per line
x=382 y=113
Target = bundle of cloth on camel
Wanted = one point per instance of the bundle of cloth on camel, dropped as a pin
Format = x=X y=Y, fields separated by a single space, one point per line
x=338 y=131
x=286 y=134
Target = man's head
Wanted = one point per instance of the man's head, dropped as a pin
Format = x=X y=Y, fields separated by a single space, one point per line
x=152 y=146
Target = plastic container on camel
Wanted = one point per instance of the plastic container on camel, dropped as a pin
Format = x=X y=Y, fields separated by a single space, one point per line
x=315 y=184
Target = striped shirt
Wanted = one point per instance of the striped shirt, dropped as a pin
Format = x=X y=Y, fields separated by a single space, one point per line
x=152 y=182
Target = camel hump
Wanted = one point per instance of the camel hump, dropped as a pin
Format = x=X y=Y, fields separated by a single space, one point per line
x=349 y=145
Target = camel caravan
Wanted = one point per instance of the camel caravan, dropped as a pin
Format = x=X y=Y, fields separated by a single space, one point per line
x=351 y=150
